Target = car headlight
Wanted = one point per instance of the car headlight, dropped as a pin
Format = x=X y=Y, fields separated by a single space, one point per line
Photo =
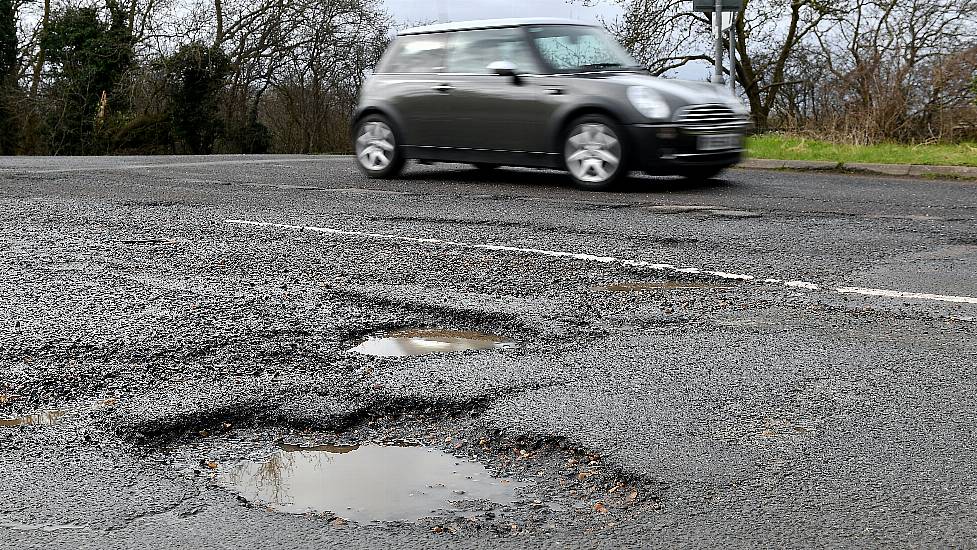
x=649 y=102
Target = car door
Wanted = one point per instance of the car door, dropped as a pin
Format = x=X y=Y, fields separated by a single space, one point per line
x=410 y=82
x=484 y=110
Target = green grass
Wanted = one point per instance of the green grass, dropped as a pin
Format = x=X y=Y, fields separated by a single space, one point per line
x=785 y=147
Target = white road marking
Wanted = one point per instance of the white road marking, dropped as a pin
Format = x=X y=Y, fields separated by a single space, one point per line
x=910 y=295
x=612 y=260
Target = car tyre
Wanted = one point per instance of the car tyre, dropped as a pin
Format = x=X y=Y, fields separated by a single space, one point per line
x=376 y=142
x=595 y=153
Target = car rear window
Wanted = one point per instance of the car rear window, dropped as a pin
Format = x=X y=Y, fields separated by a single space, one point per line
x=423 y=53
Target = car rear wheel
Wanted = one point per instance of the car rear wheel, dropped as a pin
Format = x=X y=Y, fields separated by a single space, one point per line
x=594 y=153
x=378 y=152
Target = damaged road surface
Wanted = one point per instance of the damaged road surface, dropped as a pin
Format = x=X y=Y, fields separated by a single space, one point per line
x=231 y=352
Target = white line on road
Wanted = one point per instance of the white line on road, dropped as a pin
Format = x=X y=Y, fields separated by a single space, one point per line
x=910 y=295
x=611 y=260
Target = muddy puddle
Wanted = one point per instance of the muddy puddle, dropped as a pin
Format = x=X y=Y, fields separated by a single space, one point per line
x=666 y=285
x=370 y=483
x=429 y=341
x=43 y=418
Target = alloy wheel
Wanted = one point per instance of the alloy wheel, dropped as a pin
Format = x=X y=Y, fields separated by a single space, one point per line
x=375 y=146
x=593 y=152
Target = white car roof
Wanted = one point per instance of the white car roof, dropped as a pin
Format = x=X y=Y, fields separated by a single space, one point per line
x=491 y=24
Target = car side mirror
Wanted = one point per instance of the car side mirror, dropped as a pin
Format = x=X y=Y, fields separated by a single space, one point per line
x=503 y=68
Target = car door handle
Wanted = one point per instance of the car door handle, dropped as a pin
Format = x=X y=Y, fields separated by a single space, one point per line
x=554 y=91
x=443 y=88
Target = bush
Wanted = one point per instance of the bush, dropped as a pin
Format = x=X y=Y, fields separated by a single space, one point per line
x=89 y=57
x=195 y=78
x=150 y=134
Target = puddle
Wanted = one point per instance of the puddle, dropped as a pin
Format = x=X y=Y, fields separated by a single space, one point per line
x=47 y=527
x=669 y=285
x=734 y=213
x=337 y=449
x=367 y=483
x=43 y=418
x=709 y=210
x=426 y=341
x=681 y=208
x=747 y=323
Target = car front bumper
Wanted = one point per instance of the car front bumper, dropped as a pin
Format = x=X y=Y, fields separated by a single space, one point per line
x=669 y=149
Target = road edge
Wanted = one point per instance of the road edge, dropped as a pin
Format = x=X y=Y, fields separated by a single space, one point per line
x=910 y=170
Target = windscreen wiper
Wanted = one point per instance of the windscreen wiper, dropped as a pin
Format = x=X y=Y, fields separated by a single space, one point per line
x=598 y=66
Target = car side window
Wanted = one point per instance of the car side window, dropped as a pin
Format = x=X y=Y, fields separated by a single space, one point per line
x=576 y=48
x=422 y=53
x=471 y=52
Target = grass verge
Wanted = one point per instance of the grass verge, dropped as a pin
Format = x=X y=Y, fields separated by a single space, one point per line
x=786 y=147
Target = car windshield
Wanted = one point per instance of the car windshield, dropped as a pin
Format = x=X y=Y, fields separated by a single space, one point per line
x=579 y=48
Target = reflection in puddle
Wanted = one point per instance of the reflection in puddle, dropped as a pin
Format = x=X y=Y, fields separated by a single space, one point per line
x=668 y=285
x=43 y=418
x=48 y=527
x=337 y=449
x=369 y=483
x=425 y=341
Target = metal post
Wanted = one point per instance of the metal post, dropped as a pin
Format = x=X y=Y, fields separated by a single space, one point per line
x=718 y=21
x=732 y=58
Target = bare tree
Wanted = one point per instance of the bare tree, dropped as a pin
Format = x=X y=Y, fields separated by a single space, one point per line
x=666 y=35
x=898 y=68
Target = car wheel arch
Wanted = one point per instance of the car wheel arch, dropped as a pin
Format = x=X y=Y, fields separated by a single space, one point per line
x=563 y=120
x=399 y=128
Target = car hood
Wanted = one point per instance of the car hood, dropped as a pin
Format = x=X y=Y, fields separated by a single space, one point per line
x=676 y=92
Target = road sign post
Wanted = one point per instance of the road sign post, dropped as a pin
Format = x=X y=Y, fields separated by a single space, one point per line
x=717 y=18
x=732 y=59
x=716 y=9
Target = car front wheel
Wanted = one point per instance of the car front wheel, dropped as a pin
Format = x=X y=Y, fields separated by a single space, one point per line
x=378 y=152
x=594 y=153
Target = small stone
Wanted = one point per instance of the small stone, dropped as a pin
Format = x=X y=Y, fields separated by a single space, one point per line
x=338 y=522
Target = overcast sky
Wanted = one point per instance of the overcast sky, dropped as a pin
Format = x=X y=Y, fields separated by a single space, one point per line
x=413 y=11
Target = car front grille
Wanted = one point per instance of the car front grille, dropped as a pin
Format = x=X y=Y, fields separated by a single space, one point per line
x=709 y=118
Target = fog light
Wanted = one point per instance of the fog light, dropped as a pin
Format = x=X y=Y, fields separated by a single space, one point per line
x=667 y=133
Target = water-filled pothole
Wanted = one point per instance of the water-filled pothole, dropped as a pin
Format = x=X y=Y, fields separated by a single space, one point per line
x=43 y=418
x=426 y=341
x=367 y=483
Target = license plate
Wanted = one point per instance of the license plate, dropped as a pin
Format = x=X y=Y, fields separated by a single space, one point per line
x=715 y=143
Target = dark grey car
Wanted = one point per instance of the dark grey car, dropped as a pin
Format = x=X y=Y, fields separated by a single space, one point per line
x=545 y=93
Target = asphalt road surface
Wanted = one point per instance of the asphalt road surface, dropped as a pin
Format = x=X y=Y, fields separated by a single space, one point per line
x=767 y=360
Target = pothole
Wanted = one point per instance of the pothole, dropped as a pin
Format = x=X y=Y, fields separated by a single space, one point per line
x=47 y=527
x=428 y=341
x=43 y=418
x=734 y=214
x=711 y=210
x=667 y=285
x=681 y=208
x=370 y=483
